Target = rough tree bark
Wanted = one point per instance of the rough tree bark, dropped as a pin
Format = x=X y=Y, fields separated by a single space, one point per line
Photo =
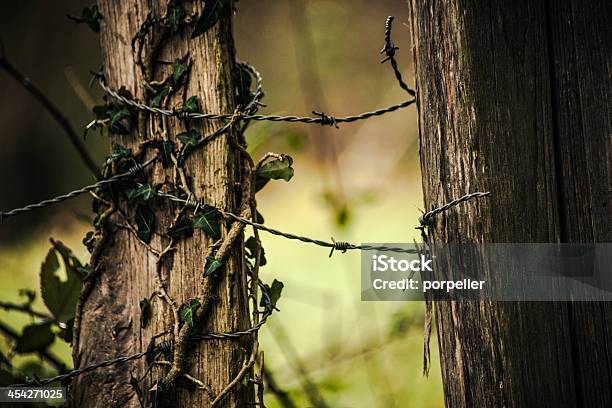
x=108 y=324
x=515 y=98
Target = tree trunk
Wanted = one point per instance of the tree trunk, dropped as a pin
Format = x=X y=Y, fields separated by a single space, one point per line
x=125 y=272
x=515 y=98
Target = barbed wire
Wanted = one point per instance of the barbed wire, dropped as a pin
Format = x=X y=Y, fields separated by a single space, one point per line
x=132 y=171
x=246 y=114
x=389 y=51
x=425 y=219
x=321 y=118
x=161 y=347
x=79 y=371
x=334 y=245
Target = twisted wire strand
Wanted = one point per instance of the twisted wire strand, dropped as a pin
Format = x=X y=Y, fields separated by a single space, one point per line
x=389 y=50
x=132 y=171
x=334 y=245
x=426 y=218
x=162 y=347
x=321 y=119
x=80 y=371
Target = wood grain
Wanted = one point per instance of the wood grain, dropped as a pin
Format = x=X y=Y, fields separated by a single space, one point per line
x=110 y=315
x=514 y=98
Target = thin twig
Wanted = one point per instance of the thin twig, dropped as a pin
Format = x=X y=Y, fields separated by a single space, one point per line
x=27 y=309
x=245 y=367
x=54 y=111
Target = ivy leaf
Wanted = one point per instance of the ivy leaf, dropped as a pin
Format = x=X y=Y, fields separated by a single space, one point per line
x=90 y=16
x=211 y=266
x=145 y=221
x=209 y=222
x=60 y=296
x=190 y=141
x=165 y=149
x=187 y=311
x=84 y=270
x=159 y=96
x=192 y=105
x=118 y=152
x=144 y=192
x=275 y=291
x=120 y=123
x=35 y=337
x=182 y=229
x=176 y=16
x=274 y=170
x=251 y=245
x=213 y=11
x=145 y=312
x=179 y=71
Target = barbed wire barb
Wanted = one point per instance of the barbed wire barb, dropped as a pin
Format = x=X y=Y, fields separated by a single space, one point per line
x=389 y=50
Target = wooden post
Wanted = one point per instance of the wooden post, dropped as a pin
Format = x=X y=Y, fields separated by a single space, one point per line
x=108 y=324
x=515 y=98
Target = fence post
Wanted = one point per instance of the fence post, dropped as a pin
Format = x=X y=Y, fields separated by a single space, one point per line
x=125 y=272
x=514 y=98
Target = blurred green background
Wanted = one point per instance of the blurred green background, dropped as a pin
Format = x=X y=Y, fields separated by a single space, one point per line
x=359 y=183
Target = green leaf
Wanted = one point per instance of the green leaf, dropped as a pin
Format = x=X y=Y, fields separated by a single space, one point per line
x=35 y=337
x=190 y=140
x=118 y=152
x=145 y=312
x=187 y=311
x=60 y=296
x=192 y=105
x=84 y=270
x=275 y=291
x=90 y=16
x=182 y=229
x=274 y=170
x=176 y=16
x=165 y=149
x=145 y=221
x=213 y=11
x=251 y=245
x=144 y=192
x=179 y=71
x=159 y=96
x=120 y=123
x=209 y=222
x=211 y=266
